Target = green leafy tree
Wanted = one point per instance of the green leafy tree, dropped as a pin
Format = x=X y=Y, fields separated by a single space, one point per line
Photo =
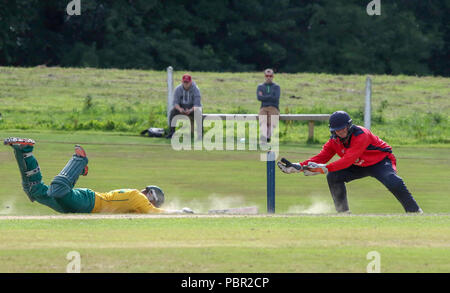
x=335 y=36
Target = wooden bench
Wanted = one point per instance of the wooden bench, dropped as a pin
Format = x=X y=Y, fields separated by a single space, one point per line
x=297 y=117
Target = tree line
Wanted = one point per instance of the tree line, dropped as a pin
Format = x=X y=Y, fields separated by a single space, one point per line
x=332 y=36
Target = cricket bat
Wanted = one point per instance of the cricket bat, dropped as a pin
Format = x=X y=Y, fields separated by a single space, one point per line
x=289 y=164
x=236 y=211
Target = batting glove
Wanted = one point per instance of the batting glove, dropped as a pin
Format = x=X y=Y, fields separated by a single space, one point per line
x=315 y=169
x=288 y=167
x=187 y=211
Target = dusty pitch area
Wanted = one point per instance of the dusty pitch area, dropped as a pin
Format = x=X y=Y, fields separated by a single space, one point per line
x=153 y=216
x=131 y=216
x=115 y=216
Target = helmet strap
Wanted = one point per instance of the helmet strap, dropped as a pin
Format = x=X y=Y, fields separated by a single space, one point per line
x=153 y=196
x=349 y=134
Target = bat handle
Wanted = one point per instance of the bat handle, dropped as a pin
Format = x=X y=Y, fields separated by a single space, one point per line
x=285 y=161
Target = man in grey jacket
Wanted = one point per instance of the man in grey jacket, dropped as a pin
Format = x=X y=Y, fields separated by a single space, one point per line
x=187 y=101
x=269 y=95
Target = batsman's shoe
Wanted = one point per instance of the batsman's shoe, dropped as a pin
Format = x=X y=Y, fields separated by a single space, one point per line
x=18 y=142
x=80 y=152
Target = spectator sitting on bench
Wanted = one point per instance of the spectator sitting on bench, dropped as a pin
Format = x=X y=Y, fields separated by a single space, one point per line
x=187 y=101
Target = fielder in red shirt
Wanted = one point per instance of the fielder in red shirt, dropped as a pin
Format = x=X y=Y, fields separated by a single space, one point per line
x=361 y=154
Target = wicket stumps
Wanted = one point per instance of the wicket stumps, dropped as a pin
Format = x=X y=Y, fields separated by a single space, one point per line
x=270 y=182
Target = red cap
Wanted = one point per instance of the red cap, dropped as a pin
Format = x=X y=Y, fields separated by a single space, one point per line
x=187 y=78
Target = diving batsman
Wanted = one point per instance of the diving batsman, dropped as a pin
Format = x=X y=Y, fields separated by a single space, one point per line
x=62 y=197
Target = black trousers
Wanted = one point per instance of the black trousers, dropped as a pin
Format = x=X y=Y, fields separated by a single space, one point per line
x=382 y=171
x=174 y=112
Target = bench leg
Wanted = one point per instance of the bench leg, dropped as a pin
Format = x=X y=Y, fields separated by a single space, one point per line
x=310 y=130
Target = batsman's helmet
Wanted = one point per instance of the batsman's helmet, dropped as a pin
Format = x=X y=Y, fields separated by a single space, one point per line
x=339 y=120
x=155 y=195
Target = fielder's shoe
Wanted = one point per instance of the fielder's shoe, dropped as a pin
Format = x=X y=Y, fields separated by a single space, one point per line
x=419 y=211
x=80 y=152
x=18 y=142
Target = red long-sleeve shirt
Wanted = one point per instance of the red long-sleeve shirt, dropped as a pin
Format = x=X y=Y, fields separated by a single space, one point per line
x=363 y=149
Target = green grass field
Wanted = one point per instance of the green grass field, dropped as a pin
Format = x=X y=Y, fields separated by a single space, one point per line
x=297 y=244
x=104 y=110
x=291 y=241
x=201 y=179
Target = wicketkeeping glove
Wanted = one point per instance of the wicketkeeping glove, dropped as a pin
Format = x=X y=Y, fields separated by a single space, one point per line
x=288 y=168
x=315 y=169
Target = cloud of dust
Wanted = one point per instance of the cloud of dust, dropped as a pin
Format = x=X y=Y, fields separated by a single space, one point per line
x=318 y=206
x=213 y=202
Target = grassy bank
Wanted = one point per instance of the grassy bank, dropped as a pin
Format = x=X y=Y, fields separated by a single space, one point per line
x=406 y=109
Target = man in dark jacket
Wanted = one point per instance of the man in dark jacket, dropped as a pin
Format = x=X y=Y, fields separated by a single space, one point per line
x=269 y=95
x=187 y=101
x=361 y=154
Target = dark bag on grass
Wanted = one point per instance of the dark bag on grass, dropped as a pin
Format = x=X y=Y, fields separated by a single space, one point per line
x=153 y=132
